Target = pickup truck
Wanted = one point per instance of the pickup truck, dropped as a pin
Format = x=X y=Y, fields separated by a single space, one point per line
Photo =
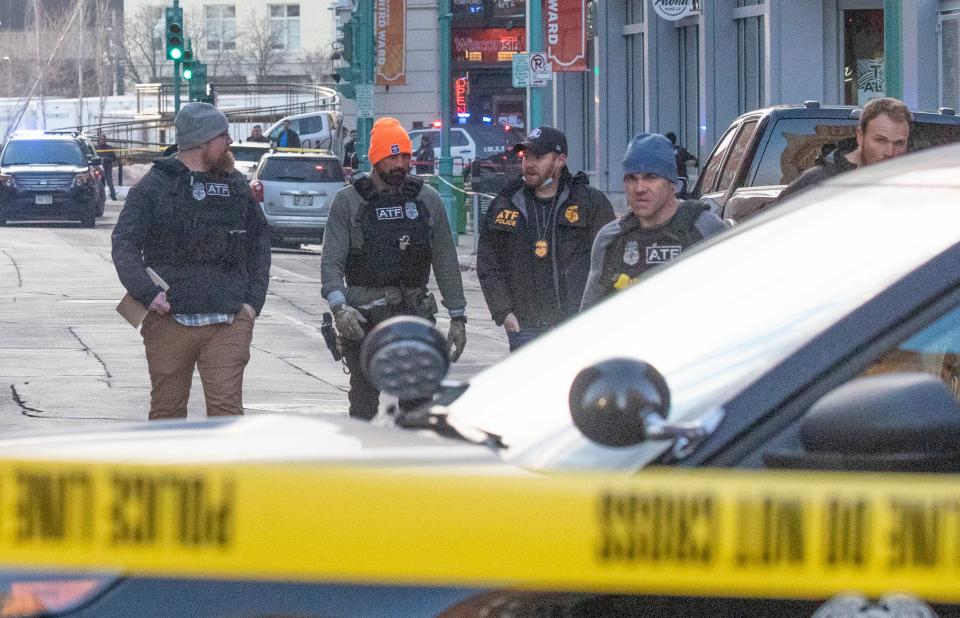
x=765 y=150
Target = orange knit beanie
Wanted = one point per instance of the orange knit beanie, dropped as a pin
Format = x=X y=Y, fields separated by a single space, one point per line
x=388 y=138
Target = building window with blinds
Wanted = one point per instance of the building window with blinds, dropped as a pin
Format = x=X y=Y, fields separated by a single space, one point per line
x=950 y=60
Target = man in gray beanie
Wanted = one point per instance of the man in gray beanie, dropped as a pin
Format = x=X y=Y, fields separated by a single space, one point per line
x=193 y=221
x=658 y=226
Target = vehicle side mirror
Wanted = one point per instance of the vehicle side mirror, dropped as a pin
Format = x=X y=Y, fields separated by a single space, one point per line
x=406 y=357
x=892 y=422
x=616 y=401
x=96 y=161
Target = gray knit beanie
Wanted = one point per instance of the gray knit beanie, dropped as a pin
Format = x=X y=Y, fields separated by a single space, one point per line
x=649 y=153
x=197 y=124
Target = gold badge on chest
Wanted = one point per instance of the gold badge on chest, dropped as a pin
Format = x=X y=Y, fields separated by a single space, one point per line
x=540 y=248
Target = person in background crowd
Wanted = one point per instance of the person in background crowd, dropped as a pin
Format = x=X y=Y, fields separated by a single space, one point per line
x=288 y=138
x=350 y=158
x=682 y=156
x=658 y=227
x=256 y=135
x=424 y=156
x=384 y=233
x=108 y=156
x=534 y=251
x=192 y=220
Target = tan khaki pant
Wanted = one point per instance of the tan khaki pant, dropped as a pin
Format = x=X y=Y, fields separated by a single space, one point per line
x=220 y=352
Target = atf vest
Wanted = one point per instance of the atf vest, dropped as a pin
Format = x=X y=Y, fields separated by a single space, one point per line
x=396 y=238
x=205 y=226
x=635 y=250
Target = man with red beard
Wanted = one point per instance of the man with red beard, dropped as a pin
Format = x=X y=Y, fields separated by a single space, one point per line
x=193 y=221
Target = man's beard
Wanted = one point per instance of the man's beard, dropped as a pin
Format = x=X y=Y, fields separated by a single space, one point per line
x=225 y=163
x=394 y=177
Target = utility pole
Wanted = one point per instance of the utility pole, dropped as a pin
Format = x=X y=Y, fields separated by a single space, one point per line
x=893 y=48
x=364 y=52
x=446 y=163
x=534 y=44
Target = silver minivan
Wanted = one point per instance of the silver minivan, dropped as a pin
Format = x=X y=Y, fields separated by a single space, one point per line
x=295 y=191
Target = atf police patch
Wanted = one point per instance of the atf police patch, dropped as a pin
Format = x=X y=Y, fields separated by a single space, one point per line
x=218 y=189
x=410 y=209
x=198 y=191
x=631 y=253
x=389 y=213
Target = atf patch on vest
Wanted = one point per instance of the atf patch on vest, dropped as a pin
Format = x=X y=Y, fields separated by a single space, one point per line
x=410 y=209
x=507 y=217
x=661 y=254
x=572 y=213
x=218 y=189
x=389 y=213
x=198 y=191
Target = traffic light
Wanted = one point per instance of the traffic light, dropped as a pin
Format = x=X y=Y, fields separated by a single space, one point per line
x=187 y=61
x=346 y=77
x=174 y=32
x=198 y=82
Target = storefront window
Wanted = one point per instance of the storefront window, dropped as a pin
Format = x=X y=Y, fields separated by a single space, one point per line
x=863 y=71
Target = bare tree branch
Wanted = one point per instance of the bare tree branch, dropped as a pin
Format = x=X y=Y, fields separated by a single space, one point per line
x=258 y=45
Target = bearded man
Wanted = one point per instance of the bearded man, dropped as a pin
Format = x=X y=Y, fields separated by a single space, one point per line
x=384 y=234
x=193 y=221
x=534 y=251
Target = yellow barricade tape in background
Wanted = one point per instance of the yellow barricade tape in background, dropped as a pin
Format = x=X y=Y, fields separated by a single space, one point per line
x=722 y=533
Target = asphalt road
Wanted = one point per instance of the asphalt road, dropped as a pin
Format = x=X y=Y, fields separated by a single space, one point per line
x=67 y=358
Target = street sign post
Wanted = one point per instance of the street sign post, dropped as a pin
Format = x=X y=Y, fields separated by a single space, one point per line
x=521 y=70
x=541 y=71
x=364 y=100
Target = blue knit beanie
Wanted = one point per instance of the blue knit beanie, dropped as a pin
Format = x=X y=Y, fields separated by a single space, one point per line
x=650 y=153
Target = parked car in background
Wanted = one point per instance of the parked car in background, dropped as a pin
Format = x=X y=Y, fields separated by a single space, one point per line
x=247 y=155
x=295 y=191
x=48 y=177
x=469 y=142
x=320 y=130
x=766 y=149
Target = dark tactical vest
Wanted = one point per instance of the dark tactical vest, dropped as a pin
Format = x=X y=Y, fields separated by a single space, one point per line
x=635 y=250
x=206 y=226
x=396 y=238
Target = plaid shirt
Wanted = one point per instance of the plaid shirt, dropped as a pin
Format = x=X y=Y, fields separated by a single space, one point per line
x=204 y=319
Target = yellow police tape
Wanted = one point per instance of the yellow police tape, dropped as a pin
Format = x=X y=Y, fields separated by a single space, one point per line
x=721 y=533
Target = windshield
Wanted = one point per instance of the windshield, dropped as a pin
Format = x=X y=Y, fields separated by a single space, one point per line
x=715 y=320
x=25 y=152
x=794 y=145
x=249 y=154
x=302 y=170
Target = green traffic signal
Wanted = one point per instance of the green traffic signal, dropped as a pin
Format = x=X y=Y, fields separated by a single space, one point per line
x=174 y=33
x=187 y=73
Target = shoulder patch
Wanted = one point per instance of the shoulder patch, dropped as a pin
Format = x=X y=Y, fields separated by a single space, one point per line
x=507 y=217
x=572 y=213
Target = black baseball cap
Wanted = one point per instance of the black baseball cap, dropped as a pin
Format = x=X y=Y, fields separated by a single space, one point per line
x=543 y=140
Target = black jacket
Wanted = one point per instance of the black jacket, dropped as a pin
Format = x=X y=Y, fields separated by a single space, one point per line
x=152 y=231
x=830 y=162
x=505 y=258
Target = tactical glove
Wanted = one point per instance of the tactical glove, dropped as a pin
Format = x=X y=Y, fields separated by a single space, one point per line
x=348 y=322
x=456 y=339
